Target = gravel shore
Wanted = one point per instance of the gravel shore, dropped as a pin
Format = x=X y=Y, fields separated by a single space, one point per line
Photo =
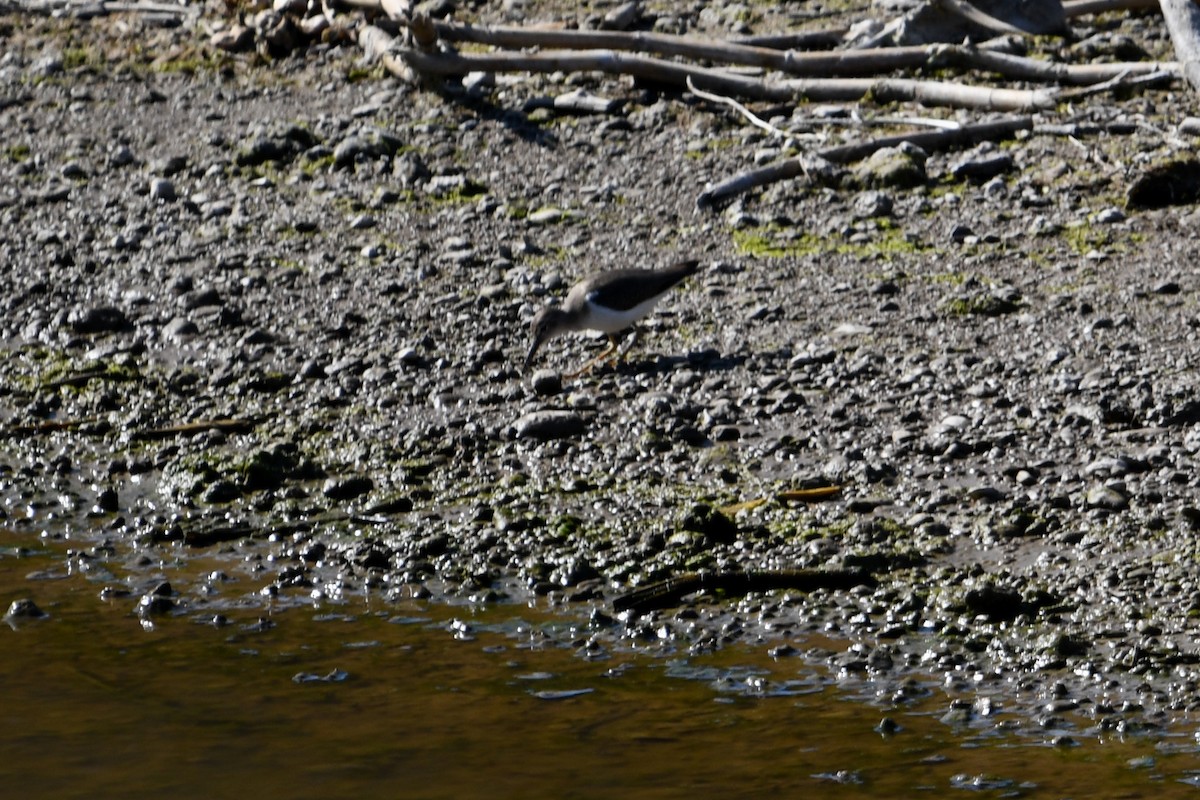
x=334 y=274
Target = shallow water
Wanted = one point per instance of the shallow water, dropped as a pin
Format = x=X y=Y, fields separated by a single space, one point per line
x=419 y=700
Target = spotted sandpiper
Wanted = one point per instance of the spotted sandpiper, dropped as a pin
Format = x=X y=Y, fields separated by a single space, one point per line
x=609 y=302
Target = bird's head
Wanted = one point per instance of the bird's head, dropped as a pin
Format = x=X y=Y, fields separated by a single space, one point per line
x=548 y=323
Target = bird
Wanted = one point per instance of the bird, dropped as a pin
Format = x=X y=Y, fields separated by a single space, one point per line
x=609 y=302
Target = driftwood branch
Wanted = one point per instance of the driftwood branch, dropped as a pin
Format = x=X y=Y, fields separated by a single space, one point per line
x=1183 y=22
x=970 y=13
x=669 y=592
x=928 y=140
x=753 y=118
x=844 y=63
x=1079 y=8
x=195 y=428
x=885 y=90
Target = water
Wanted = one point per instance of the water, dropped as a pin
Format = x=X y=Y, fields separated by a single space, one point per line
x=425 y=701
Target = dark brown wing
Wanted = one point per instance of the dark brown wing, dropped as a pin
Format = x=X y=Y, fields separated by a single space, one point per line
x=622 y=289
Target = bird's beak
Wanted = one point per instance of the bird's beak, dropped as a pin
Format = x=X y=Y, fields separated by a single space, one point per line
x=537 y=342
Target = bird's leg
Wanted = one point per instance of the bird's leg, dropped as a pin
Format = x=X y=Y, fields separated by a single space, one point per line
x=611 y=350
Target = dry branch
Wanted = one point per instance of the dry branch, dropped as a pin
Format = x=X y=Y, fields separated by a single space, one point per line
x=992 y=130
x=861 y=62
x=973 y=15
x=1183 y=22
x=713 y=80
x=798 y=40
x=195 y=428
x=872 y=61
x=670 y=592
x=1079 y=8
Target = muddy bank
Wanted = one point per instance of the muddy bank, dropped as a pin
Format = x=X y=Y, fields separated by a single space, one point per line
x=278 y=311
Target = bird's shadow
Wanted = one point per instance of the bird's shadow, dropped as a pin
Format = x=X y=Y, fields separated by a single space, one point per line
x=663 y=364
x=514 y=120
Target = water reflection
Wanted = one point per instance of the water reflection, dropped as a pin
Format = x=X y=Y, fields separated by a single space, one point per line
x=418 y=700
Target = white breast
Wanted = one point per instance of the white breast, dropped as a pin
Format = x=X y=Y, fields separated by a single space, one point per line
x=607 y=320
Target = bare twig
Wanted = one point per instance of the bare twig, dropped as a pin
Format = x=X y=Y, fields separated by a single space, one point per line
x=797 y=40
x=872 y=61
x=738 y=107
x=1183 y=23
x=1079 y=8
x=676 y=74
x=195 y=428
x=1120 y=80
x=669 y=592
x=973 y=15
x=48 y=426
x=928 y=140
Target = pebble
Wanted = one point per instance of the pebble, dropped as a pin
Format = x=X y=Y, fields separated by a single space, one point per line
x=1107 y=497
x=23 y=609
x=547 y=425
x=97 y=319
x=347 y=487
x=546 y=383
x=162 y=189
x=180 y=329
x=981 y=166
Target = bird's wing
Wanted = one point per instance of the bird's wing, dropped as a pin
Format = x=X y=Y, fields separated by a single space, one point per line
x=625 y=289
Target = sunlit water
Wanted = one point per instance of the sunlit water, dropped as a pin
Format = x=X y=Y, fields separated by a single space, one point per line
x=418 y=700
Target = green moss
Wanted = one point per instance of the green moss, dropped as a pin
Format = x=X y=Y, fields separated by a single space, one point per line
x=17 y=153
x=76 y=57
x=984 y=305
x=358 y=74
x=773 y=241
x=469 y=192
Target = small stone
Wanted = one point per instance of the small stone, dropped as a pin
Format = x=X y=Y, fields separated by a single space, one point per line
x=715 y=527
x=24 y=609
x=222 y=491
x=546 y=382
x=545 y=216
x=873 y=204
x=347 y=487
x=200 y=298
x=153 y=604
x=236 y=39
x=979 y=167
x=1109 y=216
x=1107 y=497
x=546 y=425
x=180 y=329
x=410 y=357
x=122 y=156
x=100 y=319
x=893 y=167
x=162 y=189
x=169 y=166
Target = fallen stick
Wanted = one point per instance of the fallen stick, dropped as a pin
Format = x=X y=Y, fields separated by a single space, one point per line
x=195 y=428
x=928 y=140
x=754 y=119
x=798 y=40
x=673 y=73
x=872 y=61
x=863 y=62
x=49 y=426
x=1183 y=23
x=1079 y=8
x=971 y=14
x=669 y=592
